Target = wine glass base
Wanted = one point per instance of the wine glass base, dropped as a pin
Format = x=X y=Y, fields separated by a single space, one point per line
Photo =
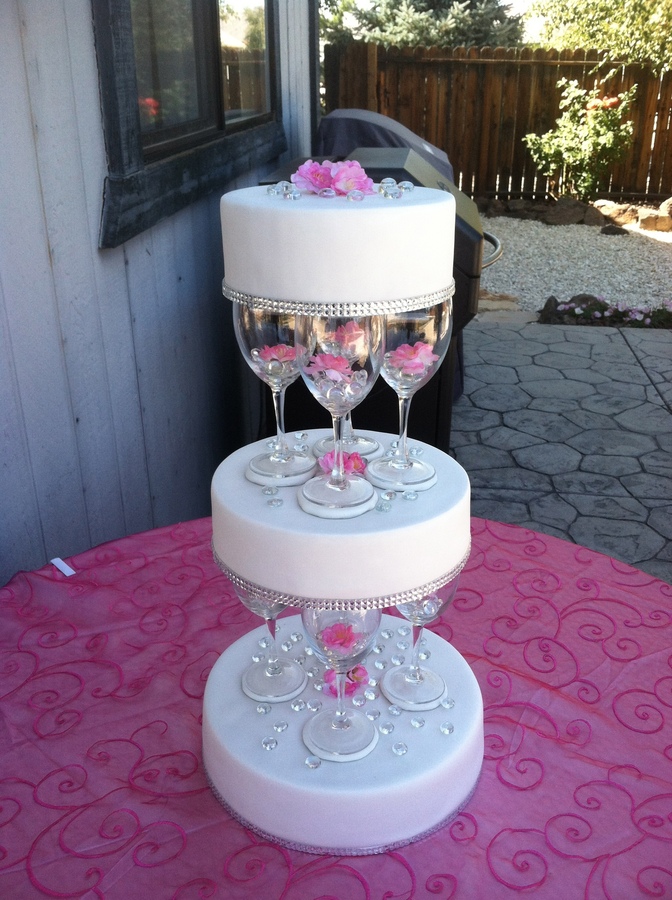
x=386 y=473
x=423 y=695
x=366 y=447
x=340 y=744
x=269 y=470
x=286 y=685
x=319 y=498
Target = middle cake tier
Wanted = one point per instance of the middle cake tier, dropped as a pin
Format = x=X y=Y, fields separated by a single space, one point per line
x=407 y=546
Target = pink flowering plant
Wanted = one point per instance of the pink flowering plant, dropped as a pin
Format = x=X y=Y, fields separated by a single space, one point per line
x=356 y=678
x=341 y=177
x=412 y=359
x=353 y=463
x=585 y=309
x=339 y=636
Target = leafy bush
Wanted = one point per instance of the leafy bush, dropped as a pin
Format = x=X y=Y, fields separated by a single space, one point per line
x=591 y=135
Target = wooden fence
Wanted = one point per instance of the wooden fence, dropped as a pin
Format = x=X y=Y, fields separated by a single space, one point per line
x=478 y=103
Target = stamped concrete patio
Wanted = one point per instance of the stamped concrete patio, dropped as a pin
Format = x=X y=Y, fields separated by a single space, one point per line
x=568 y=430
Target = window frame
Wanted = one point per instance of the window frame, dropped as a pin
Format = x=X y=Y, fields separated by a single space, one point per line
x=139 y=192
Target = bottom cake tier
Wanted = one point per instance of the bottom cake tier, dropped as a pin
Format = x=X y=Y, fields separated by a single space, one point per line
x=419 y=776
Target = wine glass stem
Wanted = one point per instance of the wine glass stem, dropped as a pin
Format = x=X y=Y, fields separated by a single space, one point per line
x=340 y=721
x=272 y=665
x=338 y=479
x=414 y=674
x=404 y=409
x=281 y=448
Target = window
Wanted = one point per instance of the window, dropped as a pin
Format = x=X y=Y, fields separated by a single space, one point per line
x=190 y=100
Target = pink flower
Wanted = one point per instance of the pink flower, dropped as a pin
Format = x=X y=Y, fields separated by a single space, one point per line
x=413 y=360
x=350 y=176
x=338 y=636
x=349 y=334
x=281 y=352
x=336 y=368
x=353 y=680
x=312 y=176
x=353 y=464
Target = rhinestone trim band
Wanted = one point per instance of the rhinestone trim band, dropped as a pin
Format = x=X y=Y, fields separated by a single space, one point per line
x=355 y=308
x=271 y=596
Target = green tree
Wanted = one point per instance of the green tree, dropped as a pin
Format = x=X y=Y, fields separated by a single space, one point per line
x=629 y=30
x=423 y=23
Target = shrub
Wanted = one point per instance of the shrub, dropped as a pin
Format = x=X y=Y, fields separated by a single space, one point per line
x=591 y=135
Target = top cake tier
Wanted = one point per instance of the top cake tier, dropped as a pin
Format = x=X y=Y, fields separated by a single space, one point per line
x=320 y=252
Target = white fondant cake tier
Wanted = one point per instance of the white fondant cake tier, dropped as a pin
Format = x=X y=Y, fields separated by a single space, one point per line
x=420 y=774
x=320 y=251
x=400 y=546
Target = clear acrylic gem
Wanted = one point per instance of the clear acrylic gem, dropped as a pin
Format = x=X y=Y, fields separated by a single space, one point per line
x=386 y=183
x=269 y=743
x=313 y=762
x=424 y=654
x=387 y=634
x=381 y=664
x=298 y=705
x=301 y=435
x=447 y=703
x=314 y=705
x=258 y=657
x=402 y=645
x=296 y=637
x=263 y=708
x=447 y=728
x=372 y=714
x=286 y=646
x=383 y=506
x=355 y=195
x=398 y=659
x=417 y=721
x=394 y=710
x=269 y=491
x=264 y=642
x=358 y=700
x=327 y=193
x=410 y=495
x=386 y=728
x=388 y=495
x=399 y=748
x=370 y=694
x=275 y=503
x=281 y=726
x=406 y=186
x=404 y=630
x=292 y=195
x=378 y=649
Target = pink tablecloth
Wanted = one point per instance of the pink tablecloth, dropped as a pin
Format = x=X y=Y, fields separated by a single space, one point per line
x=103 y=792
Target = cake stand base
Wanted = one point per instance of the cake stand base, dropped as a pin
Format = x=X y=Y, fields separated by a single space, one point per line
x=419 y=775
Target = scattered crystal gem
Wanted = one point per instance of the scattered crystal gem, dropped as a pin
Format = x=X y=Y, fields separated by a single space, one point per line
x=404 y=630
x=318 y=685
x=398 y=659
x=258 y=657
x=394 y=710
x=383 y=506
x=424 y=655
x=447 y=728
x=292 y=195
x=417 y=721
x=358 y=700
x=312 y=671
x=447 y=703
x=314 y=705
x=296 y=636
x=386 y=183
x=275 y=503
x=313 y=762
x=388 y=495
x=301 y=448
x=393 y=193
x=264 y=642
x=309 y=651
x=282 y=187
x=300 y=659
x=355 y=195
x=373 y=681
x=372 y=714
x=327 y=193
x=402 y=645
x=286 y=646
x=272 y=189
x=387 y=634
x=263 y=708
x=301 y=435
x=381 y=664
x=280 y=726
x=386 y=728
x=370 y=694
x=298 y=705
x=410 y=495
x=406 y=186
x=379 y=649
x=416 y=451
x=399 y=748
x=269 y=743
x=269 y=491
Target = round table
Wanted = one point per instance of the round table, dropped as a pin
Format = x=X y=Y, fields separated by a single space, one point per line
x=103 y=789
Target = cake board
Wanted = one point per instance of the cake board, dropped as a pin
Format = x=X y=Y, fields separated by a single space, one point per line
x=421 y=773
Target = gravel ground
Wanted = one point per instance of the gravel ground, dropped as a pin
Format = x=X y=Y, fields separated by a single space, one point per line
x=539 y=260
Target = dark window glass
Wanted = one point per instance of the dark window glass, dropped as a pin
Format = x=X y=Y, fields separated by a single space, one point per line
x=245 y=63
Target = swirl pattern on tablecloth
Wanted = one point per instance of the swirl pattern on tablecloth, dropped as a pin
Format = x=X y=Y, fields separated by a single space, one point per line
x=102 y=788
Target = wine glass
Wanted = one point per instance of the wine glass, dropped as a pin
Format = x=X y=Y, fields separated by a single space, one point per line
x=340 y=370
x=353 y=442
x=340 y=639
x=414 y=686
x=274 y=679
x=268 y=344
x=415 y=345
